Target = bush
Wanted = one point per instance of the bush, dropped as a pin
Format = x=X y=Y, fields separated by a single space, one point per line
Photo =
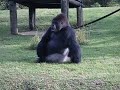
x=82 y=36
x=34 y=42
x=3 y=4
x=19 y=6
x=96 y=5
x=111 y=4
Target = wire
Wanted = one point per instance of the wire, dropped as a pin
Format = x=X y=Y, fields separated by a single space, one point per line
x=100 y=18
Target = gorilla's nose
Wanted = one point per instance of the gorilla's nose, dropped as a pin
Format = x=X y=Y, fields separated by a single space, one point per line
x=53 y=28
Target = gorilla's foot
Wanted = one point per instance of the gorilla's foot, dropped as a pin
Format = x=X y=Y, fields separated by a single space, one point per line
x=38 y=60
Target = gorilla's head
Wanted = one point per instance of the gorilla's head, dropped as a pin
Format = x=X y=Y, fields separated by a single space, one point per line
x=59 y=22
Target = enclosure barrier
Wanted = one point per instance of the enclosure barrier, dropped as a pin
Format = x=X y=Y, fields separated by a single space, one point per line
x=33 y=4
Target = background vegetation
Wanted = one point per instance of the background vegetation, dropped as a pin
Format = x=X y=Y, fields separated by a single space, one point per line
x=87 y=3
x=103 y=3
x=100 y=67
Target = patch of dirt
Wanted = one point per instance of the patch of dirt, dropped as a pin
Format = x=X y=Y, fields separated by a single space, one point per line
x=31 y=33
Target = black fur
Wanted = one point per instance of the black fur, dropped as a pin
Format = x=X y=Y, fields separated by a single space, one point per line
x=54 y=42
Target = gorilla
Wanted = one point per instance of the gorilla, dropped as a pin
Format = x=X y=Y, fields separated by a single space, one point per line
x=58 y=44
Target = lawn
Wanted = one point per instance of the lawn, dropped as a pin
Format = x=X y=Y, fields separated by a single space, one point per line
x=100 y=67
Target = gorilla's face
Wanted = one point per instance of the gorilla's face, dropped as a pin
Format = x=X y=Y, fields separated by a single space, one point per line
x=59 y=22
x=56 y=26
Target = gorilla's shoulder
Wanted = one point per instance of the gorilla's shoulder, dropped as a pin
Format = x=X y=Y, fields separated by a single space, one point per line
x=68 y=31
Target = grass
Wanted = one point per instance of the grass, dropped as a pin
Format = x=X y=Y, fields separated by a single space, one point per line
x=100 y=67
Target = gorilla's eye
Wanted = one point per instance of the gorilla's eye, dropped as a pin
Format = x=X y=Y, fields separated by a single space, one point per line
x=53 y=26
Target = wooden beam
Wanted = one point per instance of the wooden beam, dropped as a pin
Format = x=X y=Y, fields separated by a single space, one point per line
x=79 y=16
x=32 y=18
x=65 y=7
x=13 y=17
x=77 y=3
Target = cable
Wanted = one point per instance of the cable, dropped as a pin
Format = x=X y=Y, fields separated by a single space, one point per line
x=100 y=18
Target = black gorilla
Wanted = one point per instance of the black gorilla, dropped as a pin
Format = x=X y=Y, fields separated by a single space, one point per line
x=58 y=45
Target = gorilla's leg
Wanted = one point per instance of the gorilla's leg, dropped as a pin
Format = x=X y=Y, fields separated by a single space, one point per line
x=59 y=58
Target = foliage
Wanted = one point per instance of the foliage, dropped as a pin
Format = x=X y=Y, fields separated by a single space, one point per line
x=87 y=3
x=34 y=42
x=111 y=4
x=96 y=5
x=104 y=3
x=100 y=67
x=82 y=36
x=3 y=4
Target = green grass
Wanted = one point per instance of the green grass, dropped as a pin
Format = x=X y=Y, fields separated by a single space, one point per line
x=100 y=67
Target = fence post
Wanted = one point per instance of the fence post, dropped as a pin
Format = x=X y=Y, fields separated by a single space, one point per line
x=79 y=16
x=32 y=19
x=13 y=17
x=65 y=7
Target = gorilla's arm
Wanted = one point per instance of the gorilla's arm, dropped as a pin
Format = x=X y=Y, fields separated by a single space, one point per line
x=46 y=36
x=75 y=52
x=41 y=48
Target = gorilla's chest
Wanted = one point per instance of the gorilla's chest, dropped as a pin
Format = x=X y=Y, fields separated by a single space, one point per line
x=57 y=37
x=57 y=41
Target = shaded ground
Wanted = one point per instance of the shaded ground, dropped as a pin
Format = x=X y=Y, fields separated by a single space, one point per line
x=31 y=33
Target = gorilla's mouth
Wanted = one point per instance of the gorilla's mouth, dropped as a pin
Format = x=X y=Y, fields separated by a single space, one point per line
x=55 y=30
